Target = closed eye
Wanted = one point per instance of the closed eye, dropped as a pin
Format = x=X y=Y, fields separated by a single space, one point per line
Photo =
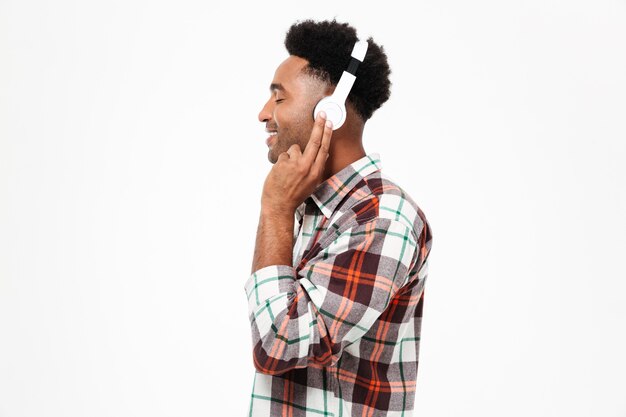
x=278 y=100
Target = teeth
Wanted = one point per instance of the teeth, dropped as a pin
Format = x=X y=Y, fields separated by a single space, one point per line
x=273 y=133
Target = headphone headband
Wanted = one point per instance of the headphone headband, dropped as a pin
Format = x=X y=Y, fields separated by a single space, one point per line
x=349 y=75
x=334 y=105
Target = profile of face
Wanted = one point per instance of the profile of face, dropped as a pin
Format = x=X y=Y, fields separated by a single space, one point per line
x=288 y=114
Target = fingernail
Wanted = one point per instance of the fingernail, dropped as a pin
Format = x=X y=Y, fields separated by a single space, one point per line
x=323 y=114
x=329 y=123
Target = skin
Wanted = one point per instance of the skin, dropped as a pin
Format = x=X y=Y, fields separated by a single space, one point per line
x=303 y=156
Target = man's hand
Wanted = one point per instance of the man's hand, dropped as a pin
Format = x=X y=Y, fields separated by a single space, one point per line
x=296 y=174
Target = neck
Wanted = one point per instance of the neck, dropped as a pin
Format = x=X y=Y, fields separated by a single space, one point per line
x=346 y=146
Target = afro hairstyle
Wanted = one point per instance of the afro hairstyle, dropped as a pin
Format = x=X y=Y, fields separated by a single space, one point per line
x=327 y=46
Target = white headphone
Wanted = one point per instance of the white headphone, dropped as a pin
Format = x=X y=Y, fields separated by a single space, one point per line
x=335 y=104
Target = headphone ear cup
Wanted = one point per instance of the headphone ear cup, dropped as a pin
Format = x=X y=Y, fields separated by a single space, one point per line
x=335 y=111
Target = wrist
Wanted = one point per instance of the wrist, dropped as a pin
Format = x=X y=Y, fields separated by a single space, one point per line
x=277 y=210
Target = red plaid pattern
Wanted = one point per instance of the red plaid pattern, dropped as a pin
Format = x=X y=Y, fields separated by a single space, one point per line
x=338 y=332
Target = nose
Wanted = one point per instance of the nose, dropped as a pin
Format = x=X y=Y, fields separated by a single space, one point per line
x=266 y=112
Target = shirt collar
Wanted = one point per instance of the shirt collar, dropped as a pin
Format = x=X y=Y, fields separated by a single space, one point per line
x=330 y=193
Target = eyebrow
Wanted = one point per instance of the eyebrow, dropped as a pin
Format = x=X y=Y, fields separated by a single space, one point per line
x=277 y=86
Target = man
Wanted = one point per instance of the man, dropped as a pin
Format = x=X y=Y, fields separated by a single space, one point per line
x=336 y=289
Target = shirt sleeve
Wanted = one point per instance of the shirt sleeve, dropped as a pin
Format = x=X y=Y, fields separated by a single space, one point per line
x=299 y=317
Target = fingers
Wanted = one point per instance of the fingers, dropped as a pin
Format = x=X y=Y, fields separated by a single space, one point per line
x=294 y=151
x=284 y=156
x=315 y=140
x=324 y=149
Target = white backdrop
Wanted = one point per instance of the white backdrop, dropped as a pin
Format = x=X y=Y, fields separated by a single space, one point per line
x=131 y=166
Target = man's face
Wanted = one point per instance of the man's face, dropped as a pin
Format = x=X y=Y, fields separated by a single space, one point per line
x=289 y=110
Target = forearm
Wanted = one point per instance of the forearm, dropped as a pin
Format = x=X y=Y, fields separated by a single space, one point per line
x=274 y=238
x=298 y=315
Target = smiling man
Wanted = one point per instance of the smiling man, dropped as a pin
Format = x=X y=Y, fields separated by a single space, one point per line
x=336 y=289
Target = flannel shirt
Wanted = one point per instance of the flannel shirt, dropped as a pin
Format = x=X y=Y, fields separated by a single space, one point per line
x=337 y=333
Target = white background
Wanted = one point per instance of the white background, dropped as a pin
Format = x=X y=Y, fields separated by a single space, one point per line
x=131 y=166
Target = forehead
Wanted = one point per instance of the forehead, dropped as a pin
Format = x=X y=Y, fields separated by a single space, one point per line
x=289 y=76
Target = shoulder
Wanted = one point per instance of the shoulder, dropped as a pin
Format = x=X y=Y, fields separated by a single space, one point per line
x=383 y=198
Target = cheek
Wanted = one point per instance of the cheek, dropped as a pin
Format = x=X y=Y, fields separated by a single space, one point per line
x=283 y=112
x=277 y=115
x=289 y=114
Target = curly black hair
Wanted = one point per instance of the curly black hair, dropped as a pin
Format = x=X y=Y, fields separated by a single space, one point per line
x=327 y=46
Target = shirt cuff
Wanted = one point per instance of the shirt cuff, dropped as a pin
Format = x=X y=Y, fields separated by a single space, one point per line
x=268 y=282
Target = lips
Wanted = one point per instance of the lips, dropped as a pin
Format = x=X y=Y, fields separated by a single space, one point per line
x=272 y=138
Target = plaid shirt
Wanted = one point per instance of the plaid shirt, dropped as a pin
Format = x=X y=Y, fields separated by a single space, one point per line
x=337 y=334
